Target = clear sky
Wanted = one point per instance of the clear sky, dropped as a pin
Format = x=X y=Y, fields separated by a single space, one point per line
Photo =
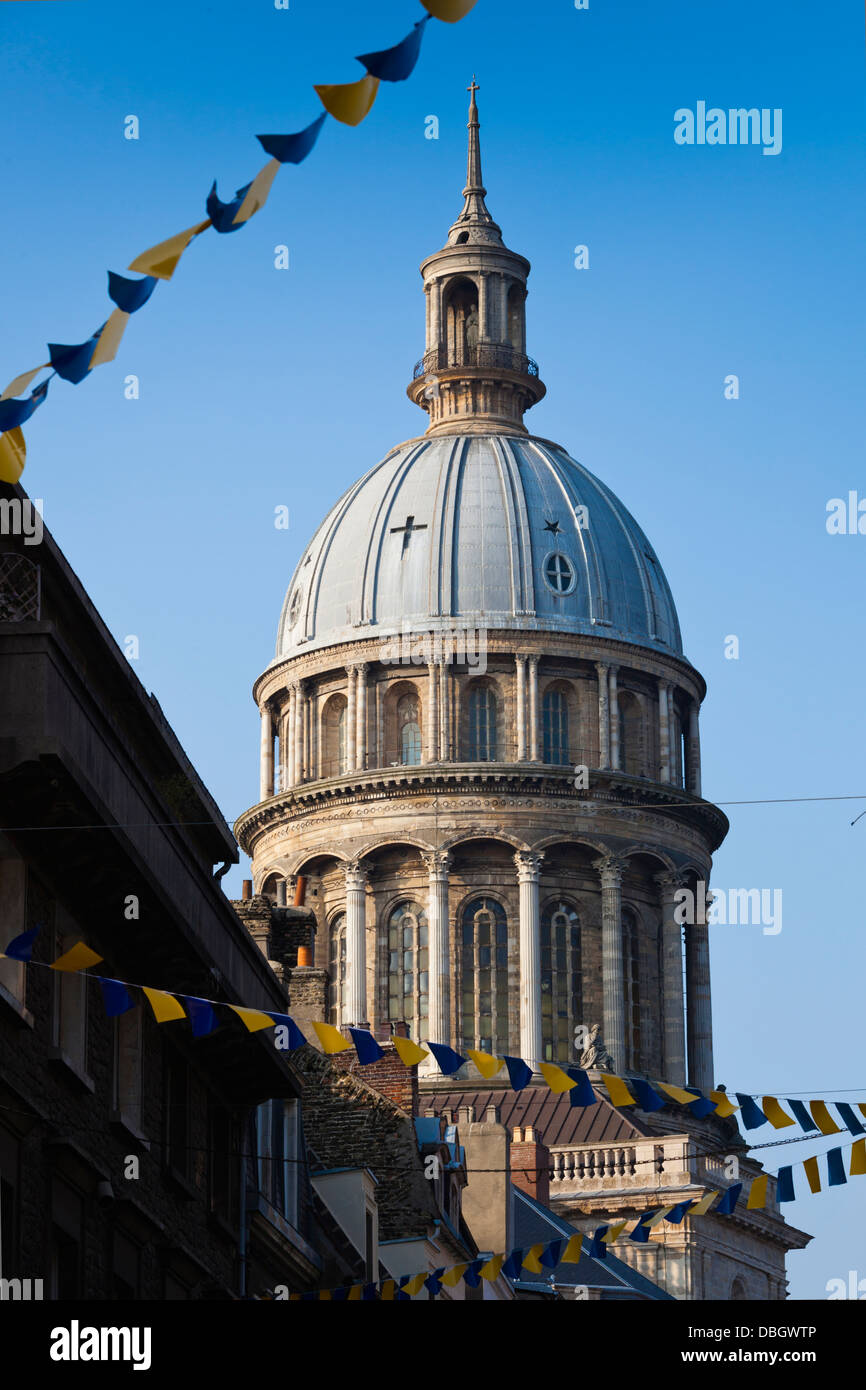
x=261 y=388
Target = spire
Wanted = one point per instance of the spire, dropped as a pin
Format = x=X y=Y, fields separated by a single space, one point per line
x=474 y=225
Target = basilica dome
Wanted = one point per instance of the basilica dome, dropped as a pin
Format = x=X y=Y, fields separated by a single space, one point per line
x=481 y=531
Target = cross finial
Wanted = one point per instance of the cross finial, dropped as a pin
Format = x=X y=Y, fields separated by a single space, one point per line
x=473 y=87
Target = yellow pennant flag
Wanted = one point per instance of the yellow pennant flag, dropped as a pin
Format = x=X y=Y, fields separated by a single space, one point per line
x=21 y=382
x=702 y=1206
x=109 y=339
x=571 y=1254
x=556 y=1078
x=13 y=453
x=676 y=1093
x=614 y=1232
x=486 y=1063
x=257 y=193
x=449 y=10
x=617 y=1091
x=388 y=1287
x=325 y=1296
x=861 y=1106
x=492 y=1268
x=354 y=1294
x=453 y=1276
x=252 y=1019
x=810 y=1166
x=349 y=102
x=758 y=1192
x=778 y=1117
x=161 y=260
x=332 y=1039
x=530 y=1259
x=410 y=1053
x=165 y=1006
x=415 y=1284
x=823 y=1119
x=858 y=1159
x=724 y=1105
x=78 y=957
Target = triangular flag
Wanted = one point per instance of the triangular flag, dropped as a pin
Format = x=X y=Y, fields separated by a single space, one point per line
x=758 y=1193
x=597 y=1250
x=367 y=1048
x=583 y=1094
x=750 y=1112
x=513 y=1264
x=14 y=413
x=296 y=1038
x=13 y=455
x=618 y=1092
x=835 y=1168
x=258 y=191
x=165 y=1006
x=647 y=1098
x=858 y=1159
x=675 y=1092
x=492 y=1269
x=448 y=10
x=78 y=957
x=701 y=1106
x=252 y=1019
x=785 y=1184
x=676 y=1214
x=558 y=1080
x=614 y=1232
x=703 y=1204
x=778 y=1117
x=202 y=1015
x=486 y=1063
x=293 y=149
x=571 y=1253
x=724 y=1105
x=409 y=1052
x=21 y=947
x=115 y=997
x=823 y=1119
x=729 y=1200
x=848 y=1118
x=72 y=361
x=354 y=1294
x=639 y=1233
x=397 y=63
x=109 y=339
x=349 y=102
x=387 y=1288
x=415 y=1284
x=130 y=295
x=805 y=1119
x=813 y=1176
x=551 y=1255
x=519 y=1074
x=331 y=1038
x=658 y=1217
x=20 y=383
x=161 y=260
x=433 y=1282
x=447 y=1060
x=453 y=1276
x=472 y=1274
x=530 y=1259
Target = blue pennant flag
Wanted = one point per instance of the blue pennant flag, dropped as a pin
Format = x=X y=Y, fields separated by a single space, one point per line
x=679 y=1211
x=702 y=1106
x=848 y=1118
x=519 y=1074
x=296 y=1037
x=835 y=1168
x=222 y=215
x=752 y=1114
x=397 y=63
x=115 y=997
x=21 y=947
x=513 y=1265
x=201 y=1015
x=802 y=1115
x=647 y=1098
x=433 y=1282
x=293 y=149
x=369 y=1293
x=640 y=1232
x=447 y=1060
x=472 y=1275
x=729 y=1200
x=15 y=411
x=73 y=363
x=582 y=1093
x=367 y=1048
x=130 y=295
x=597 y=1248
x=551 y=1257
x=339 y=1295
x=785 y=1184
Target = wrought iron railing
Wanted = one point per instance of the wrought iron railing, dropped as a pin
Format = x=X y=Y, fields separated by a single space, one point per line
x=484 y=355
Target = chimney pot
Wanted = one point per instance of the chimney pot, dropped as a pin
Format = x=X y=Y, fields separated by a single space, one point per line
x=517 y=1136
x=492 y=1115
x=305 y=957
x=529 y=1135
x=247 y=889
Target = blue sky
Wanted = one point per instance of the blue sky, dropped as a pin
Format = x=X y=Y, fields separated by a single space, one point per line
x=260 y=387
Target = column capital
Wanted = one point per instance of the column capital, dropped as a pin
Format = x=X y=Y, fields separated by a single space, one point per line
x=670 y=879
x=611 y=867
x=437 y=862
x=522 y=657
x=601 y=666
x=356 y=877
x=528 y=864
x=533 y=658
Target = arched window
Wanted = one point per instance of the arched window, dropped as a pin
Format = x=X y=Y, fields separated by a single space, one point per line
x=341 y=739
x=560 y=980
x=482 y=725
x=337 y=968
x=738 y=1291
x=631 y=988
x=332 y=741
x=555 y=719
x=630 y=729
x=408 y=967
x=410 y=730
x=484 y=975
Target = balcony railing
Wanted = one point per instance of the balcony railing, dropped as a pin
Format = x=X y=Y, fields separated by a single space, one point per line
x=484 y=355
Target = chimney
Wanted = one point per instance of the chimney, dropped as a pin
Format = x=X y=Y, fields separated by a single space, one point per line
x=247 y=889
x=530 y=1165
x=487 y=1196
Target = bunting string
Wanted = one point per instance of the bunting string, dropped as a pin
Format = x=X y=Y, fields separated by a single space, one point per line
x=347 y=102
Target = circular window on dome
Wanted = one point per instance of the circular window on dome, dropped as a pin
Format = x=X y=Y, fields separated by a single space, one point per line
x=558 y=572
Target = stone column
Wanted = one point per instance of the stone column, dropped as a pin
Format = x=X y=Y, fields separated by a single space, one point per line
x=503 y=309
x=613 y=717
x=528 y=871
x=428 y=311
x=664 y=734
x=674 y=745
x=603 y=719
x=266 y=762
x=315 y=774
x=698 y=1003
x=438 y=863
x=299 y=732
x=351 y=720
x=533 y=709
x=694 y=771
x=436 y=315
x=611 y=869
x=432 y=713
x=482 y=306
x=444 y=740
x=361 y=745
x=290 y=739
x=355 y=1011
x=521 y=708
x=380 y=727
x=673 y=1018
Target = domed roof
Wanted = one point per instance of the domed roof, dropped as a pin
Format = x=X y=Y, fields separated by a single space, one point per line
x=478 y=530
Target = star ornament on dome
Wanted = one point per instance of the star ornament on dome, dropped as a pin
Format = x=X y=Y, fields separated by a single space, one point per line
x=553 y=527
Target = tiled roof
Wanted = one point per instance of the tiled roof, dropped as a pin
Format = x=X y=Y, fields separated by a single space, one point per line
x=555 y=1120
